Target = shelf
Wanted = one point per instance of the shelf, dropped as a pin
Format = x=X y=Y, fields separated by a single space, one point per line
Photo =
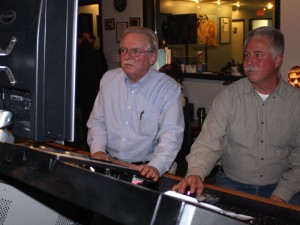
x=213 y=76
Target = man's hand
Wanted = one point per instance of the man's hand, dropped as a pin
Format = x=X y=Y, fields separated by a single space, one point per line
x=275 y=198
x=195 y=183
x=147 y=171
x=102 y=156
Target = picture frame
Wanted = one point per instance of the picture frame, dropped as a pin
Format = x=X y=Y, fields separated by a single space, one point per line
x=255 y=23
x=208 y=24
x=120 y=27
x=225 y=30
x=135 y=21
x=109 y=24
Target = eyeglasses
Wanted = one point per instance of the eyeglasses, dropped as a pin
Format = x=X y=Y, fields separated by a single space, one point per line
x=134 y=52
x=294 y=79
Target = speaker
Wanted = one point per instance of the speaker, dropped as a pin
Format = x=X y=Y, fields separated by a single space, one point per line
x=16 y=207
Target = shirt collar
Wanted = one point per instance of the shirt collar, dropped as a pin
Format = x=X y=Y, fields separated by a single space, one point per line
x=280 y=89
x=140 y=82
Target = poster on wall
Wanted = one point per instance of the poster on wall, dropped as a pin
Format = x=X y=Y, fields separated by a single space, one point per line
x=207 y=29
x=120 y=28
x=225 y=30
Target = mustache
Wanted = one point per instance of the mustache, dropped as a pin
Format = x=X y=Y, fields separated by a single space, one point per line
x=251 y=69
x=128 y=62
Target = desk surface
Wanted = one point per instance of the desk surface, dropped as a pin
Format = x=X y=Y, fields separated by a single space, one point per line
x=241 y=194
x=114 y=196
x=171 y=180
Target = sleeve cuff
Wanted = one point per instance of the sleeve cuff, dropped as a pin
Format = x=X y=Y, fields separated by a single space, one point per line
x=284 y=192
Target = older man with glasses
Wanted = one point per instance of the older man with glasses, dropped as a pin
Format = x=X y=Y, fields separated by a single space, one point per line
x=137 y=116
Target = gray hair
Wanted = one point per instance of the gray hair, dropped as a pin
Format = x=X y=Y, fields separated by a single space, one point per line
x=275 y=37
x=153 y=40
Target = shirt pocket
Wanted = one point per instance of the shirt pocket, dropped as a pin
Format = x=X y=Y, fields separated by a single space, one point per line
x=282 y=134
x=148 y=124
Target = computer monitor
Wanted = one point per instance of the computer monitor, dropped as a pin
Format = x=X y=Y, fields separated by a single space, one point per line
x=37 y=67
x=181 y=29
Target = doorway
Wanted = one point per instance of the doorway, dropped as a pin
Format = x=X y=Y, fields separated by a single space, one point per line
x=238 y=35
x=89 y=21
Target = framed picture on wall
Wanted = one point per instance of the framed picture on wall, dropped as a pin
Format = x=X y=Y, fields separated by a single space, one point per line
x=120 y=27
x=135 y=21
x=255 y=23
x=109 y=24
x=225 y=30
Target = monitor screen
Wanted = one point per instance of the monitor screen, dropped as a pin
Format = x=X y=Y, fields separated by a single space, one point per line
x=181 y=29
x=37 y=67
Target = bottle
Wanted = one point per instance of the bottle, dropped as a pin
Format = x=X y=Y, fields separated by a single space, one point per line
x=201 y=114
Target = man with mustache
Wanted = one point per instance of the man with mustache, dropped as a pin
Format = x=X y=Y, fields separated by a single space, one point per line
x=137 y=115
x=253 y=128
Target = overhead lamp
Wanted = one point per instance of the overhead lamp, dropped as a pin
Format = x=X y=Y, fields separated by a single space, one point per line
x=219 y=2
x=270 y=5
x=238 y=4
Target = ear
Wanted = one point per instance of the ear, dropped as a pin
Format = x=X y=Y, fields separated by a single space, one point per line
x=278 y=60
x=153 y=58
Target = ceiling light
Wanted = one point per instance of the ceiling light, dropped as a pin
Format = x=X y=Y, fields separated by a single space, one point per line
x=270 y=5
x=238 y=4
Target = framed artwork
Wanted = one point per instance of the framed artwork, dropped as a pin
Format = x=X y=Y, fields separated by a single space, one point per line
x=255 y=23
x=109 y=24
x=225 y=30
x=120 y=27
x=135 y=21
x=207 y=30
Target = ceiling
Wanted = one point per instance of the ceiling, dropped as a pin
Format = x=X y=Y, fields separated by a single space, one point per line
x=244 y=4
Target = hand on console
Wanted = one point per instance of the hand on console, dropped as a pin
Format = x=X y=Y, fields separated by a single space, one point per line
x=102 y=156
x=276 y=198
x=147 y=171
x=192 y=183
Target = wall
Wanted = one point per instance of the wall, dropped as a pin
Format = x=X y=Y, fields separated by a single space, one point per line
x=218 y=56
x=289 y=15
x=134 y=8
x=202 y=92
x=247 y=15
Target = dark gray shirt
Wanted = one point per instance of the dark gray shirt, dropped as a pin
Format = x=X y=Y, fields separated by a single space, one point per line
x=257 y=141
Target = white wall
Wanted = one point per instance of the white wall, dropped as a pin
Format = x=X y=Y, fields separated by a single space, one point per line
x=290 y=27
x=134 y=8
x=201 y=92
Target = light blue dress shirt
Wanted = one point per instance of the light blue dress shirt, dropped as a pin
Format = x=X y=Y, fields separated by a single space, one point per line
x=140 y=121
